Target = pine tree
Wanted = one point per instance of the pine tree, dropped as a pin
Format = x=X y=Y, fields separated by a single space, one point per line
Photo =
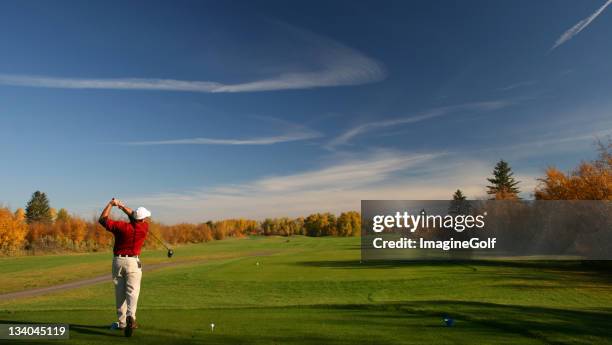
x=458 y=205
x=503 y=184
x=459 y=195
x=38 y=210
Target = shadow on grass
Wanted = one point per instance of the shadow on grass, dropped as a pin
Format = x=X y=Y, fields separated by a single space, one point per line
x=569 y=265
x=538 y=274
x=114 y=337
x=476 y=322
x=549 y=325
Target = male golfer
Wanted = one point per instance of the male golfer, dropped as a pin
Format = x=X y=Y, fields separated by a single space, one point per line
x=127 y=269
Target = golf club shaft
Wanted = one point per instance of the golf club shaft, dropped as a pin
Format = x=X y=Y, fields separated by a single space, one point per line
x=159 y=240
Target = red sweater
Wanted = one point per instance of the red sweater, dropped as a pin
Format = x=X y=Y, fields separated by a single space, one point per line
x=129 y=236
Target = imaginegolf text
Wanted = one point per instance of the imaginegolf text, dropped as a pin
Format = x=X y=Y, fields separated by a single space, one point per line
x=409 y=243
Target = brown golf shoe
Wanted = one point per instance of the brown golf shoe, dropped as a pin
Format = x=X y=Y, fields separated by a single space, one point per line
x=130 y=326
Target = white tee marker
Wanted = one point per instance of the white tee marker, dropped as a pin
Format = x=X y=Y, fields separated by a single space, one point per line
x=212 y=327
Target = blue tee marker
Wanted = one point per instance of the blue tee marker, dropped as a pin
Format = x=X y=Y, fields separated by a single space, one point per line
x=448 y=321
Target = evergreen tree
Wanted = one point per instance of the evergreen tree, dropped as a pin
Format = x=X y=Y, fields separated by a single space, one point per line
x=458 y=205
x=459 y=195
x=38 y=209
x=503 y=185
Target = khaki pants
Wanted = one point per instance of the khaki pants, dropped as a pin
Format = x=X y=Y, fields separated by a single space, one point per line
x=126 y=277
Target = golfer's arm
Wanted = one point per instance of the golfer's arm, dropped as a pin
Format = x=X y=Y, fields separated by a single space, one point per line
x=127 y=210
x=105 y=214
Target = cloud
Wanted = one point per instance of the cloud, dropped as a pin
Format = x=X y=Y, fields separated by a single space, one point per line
x=212 y=141
x=334 y=188
x=349 y=174
x=292 y=132
x=337 y=65
x=581 y=25
x=345 y=137
x=562 y=142
x=517 y=85
x=590 y=136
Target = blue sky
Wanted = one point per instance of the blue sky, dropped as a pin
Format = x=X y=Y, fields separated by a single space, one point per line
x=209 y=110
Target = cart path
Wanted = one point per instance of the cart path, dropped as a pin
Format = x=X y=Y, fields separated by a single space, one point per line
x=108 y=277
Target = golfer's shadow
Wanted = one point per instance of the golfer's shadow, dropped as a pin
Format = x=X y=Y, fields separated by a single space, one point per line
x=95 y=330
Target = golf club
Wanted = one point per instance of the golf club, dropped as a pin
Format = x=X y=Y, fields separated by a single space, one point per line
x=170 y=251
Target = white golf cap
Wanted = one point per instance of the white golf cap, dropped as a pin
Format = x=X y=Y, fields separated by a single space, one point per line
x=141 y=213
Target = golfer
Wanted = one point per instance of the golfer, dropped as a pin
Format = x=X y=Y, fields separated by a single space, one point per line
x=127 y=269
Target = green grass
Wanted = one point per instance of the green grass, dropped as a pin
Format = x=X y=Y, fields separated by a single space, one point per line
x=315 y=291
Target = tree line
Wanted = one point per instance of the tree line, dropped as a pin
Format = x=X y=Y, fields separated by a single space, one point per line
x=40 y=228
x=318 y=224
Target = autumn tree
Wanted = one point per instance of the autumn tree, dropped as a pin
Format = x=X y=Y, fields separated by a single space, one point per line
x=38 y=210
x=298 y=226
x=205 y=232
x=12 y=232
x=77 y=230
x=70 y=228
x=20 y=214
x=348 y=224
x=62 y=215
x=320 y=224
x=282 y=226
x=233 y=228
x=503 y=184
x=589 y=181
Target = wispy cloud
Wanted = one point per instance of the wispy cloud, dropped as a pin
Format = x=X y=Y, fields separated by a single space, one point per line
x=517 y=85
x=338 y=65
x=345 y=137
x=250 y=141
x=561 y=143
x=291 y=132
x=353 y=173
x=581 y=25
x=334 y=188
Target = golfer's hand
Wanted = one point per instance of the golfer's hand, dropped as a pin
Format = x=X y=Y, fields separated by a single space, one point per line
x=115 y=202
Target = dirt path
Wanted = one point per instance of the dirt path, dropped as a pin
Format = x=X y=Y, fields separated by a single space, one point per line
x=108 y=278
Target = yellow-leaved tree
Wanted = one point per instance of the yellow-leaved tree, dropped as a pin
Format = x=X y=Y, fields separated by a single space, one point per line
x=13 y=231
x=589 y=181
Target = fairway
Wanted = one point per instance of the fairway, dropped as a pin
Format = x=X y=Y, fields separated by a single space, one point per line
x=302 y=290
